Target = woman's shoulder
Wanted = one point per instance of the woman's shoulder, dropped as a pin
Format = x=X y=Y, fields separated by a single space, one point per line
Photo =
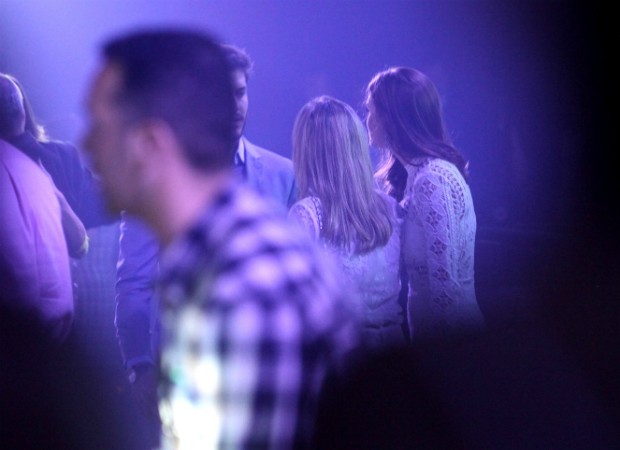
x=308 y=206
x=307 y=212
x=307 y=202
x=439 y=169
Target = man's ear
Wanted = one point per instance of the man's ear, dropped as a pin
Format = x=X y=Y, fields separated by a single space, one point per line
x=153 y=146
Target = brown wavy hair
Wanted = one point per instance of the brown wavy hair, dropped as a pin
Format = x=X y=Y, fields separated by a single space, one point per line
x=409 y=110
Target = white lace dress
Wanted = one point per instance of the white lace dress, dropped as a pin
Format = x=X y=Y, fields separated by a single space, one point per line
x=373 y=277
x=438 y=249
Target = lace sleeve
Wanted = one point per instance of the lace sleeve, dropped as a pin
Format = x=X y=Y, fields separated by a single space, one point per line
x=304 y=214
x=439 y=206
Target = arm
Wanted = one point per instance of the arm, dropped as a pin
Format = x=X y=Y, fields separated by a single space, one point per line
x=136 y=311
x=136 y=273
x=17 y=256
x=73 y=228
x=433 y=201
x=34 y=264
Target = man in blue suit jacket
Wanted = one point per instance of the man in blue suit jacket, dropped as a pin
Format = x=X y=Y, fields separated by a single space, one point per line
x=136 y=316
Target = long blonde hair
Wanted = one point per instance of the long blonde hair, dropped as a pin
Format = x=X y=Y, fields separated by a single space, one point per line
x=332 y=162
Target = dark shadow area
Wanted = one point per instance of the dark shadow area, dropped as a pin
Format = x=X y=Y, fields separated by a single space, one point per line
x=517 y=388
x=53 y=397
x=557 y=266
x=511 y=267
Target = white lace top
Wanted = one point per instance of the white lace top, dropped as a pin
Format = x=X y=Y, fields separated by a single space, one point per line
x=374 y=276
x=438 y=249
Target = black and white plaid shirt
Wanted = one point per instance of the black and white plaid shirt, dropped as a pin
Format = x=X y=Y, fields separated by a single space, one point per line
x=252 y=317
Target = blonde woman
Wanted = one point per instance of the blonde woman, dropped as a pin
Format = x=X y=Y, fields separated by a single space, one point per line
x=341 y=207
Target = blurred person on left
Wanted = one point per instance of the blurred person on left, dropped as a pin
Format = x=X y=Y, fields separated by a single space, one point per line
x=34 y=263
x=77 y=189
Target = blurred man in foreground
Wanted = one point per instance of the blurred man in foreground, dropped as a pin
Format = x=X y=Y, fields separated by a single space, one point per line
x=252 y=315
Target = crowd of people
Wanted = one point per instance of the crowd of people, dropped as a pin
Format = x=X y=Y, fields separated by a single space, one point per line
x=252 y=290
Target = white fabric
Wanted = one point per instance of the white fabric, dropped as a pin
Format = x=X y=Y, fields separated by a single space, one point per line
x=241 y=151
x=438 y=249
x=373 y=278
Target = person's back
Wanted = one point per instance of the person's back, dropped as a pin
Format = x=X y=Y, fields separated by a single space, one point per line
x=356 y=224
x=77 y=189
x=376 y=275
x=372 y=277
x=272 y=320
x=35 y=267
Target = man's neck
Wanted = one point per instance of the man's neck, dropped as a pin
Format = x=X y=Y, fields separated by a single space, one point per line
x=181 y=203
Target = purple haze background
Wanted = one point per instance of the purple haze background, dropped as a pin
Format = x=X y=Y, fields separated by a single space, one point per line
x=523 y=86
x=526 y=85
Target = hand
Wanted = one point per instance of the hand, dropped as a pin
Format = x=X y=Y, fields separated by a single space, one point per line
x=144 y=393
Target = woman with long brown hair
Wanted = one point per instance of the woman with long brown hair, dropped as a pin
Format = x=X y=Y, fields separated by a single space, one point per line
x=427 y=174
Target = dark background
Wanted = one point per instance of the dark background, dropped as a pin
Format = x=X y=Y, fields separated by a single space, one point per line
x=527 y=88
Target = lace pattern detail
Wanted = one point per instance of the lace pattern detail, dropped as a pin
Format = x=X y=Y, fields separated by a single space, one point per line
x=438 y=249
x=303 y=213
x=319 y=212
x=374 y=278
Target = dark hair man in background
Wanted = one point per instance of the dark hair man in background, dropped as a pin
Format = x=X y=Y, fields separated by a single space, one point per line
x=136 y=319
x=77 y=190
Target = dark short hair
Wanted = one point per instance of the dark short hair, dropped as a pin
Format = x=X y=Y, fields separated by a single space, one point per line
x=238 y=59
x=183 y=78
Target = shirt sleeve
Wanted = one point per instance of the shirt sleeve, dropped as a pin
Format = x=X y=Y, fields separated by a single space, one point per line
x=433 y=200
x=136 y=303
x=19 y=281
